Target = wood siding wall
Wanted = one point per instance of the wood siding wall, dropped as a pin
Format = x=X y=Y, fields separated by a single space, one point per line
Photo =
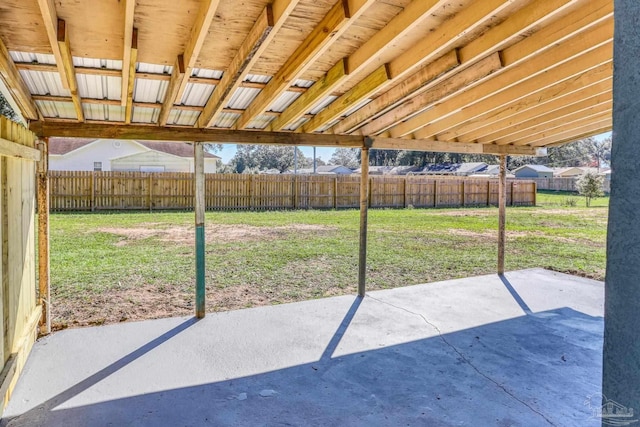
x=75 y=191
x=19 y=314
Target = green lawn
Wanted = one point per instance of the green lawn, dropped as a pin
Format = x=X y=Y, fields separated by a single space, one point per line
x=124 y=266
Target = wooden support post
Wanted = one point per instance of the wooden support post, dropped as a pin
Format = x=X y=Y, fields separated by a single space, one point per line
x=44 y=294
x=199 y=208
x=364 y=206
x=502 y=202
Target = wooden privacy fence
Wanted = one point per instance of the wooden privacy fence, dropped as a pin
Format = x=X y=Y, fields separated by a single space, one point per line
x=74 y=191
x=563 y=184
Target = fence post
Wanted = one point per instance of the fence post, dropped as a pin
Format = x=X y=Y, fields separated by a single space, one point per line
x=462 y=194
x=150 y=191
x=404 y=201
x=535 y=193
x=93 y=191
x=335 y=192
x=512 y=194
x=488 y=192
x=435 y=193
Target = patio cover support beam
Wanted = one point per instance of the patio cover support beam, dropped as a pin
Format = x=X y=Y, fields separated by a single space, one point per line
x=621 y=363
x=364 y=210
x=502 y=209
x=44 y=293
x=198 y=154
x=127 y=59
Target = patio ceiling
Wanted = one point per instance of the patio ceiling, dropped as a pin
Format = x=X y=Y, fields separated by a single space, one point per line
x=490 y=76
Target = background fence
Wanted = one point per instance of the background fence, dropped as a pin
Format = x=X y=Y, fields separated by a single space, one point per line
x=73 y=191
x=563 y=184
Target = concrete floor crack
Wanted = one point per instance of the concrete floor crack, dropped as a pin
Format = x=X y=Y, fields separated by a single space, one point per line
x=465 y=359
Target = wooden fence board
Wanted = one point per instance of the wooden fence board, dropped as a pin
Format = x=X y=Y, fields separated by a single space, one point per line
x=76 y=191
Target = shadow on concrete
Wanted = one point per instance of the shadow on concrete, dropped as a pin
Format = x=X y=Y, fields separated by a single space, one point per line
x=514 y=294
x=534 y=370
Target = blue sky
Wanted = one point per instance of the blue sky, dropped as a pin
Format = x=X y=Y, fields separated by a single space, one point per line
x=322 y=152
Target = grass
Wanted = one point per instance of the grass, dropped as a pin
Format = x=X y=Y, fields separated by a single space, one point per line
x=121 y=266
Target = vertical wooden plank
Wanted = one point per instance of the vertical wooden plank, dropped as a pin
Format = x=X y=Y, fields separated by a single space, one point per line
x=150 y=184
x=3 y=255
x=502 y=201
x=199 y=202
x=364 y=205
x=44 y=295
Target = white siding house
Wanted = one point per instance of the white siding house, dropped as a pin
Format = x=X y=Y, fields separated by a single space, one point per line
x=123 y=155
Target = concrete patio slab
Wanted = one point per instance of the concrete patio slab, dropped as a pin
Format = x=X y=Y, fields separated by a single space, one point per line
x=521 y=350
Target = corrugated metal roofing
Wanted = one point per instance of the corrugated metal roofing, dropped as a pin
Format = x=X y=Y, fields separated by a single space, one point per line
x=257 y=78
x=147 y=90
x=260 y=122
x=209 y=74
x=226 y=120
x=326 y=101
x=40 y=58
x=196 y=94
x=64 y=110
x=112 y=113
x=143 y=67
x=303 y=83
x=295 y=125
x=109 y=64
x=284 y=100
x=183 y=117
x=356 y=107
x=243 y=97
x=145 y=115
x=44 y=83
x=99 y=87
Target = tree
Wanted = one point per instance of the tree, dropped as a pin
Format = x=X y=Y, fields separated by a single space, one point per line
x=252 y=158
x=6 y=110
x=600 y=150
x=590 y=186
x=346 y=157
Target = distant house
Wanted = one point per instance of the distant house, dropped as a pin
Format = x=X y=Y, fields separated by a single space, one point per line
x=455 y=169
x=328 y=170
x=124 y=155
x=492 y=171
x=573 y=172
x=533 y=171
x=376 y=170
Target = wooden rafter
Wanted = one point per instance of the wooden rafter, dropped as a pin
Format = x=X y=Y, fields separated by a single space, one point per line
x=398 y=27
x=596 y=121
x=127 y=54
x=319 y=40
x=128 y=95
x=536 y=116
x=441 y=91
x=594 y=45
x=185 y=62
x=596 y=80
x=427 y=49
x=67 y=62
x=534 y=14
x=50 y=19
x=252 y=47
x=575 y=135
x=15 y=85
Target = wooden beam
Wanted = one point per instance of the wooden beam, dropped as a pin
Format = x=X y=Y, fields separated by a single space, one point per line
x=398 y=27
x=577 y=136
x=250 y=50
x=502 y=212
x=44 y=294
x=364 y=209
x=399 y=93
x=556 y=119
x=596 y=80
x=133 y=57
x=362 y=90
x=567 y=59
x=435 y=146
x=18 y=90
x=189 y=134
x=330 y=28
x=503 y=121
x=587 y=16
x=306 y=101
x=176 y=75
x=11 y=149
x=199 y=204
x=440 y=92
x=50 y=19
x=561 y=132
x=67 y=62
x=129 y=11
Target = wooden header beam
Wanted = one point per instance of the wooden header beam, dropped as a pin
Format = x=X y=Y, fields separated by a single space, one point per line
x=127 y=59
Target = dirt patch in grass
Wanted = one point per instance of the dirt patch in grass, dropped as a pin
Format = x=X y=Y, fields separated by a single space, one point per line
x=214 y=233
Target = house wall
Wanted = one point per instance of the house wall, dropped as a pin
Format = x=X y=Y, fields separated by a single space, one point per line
x=530 y=173
x=83 y=158
x=154 y=159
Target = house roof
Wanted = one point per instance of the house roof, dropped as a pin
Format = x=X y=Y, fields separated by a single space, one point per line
x=387 y=69
x=459 y=168
x=537 y=168
x=62 y=146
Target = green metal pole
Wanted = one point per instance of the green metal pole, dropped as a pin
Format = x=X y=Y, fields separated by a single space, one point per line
x=200 y=242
